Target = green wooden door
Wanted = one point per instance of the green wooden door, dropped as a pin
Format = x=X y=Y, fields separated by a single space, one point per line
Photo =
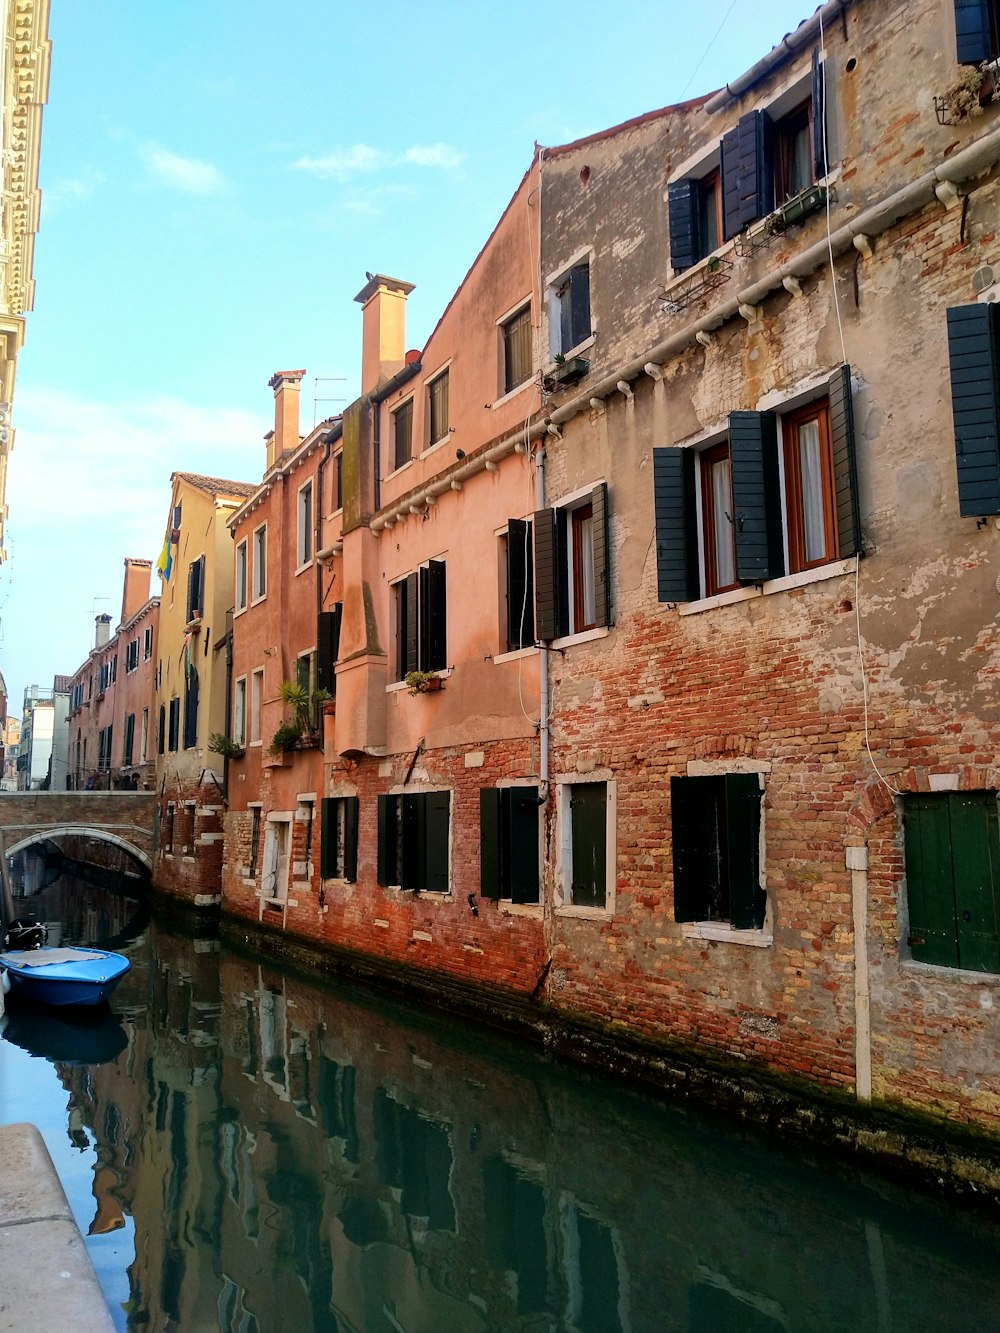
x=588 y=802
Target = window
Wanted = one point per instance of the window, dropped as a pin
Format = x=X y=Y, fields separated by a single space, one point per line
x=421 y=620
x=338 y=854
x=569 y=310
x=168 y=829
x=305 y=678
x=328 y=648
x=586 y=816
x=508 y=843
x=437 y=408
x=131 y=656
x=571 y=566
x=161 y=734
x=196 y=589
x=239 y=733
x=977 y=30
x=952 y=852
x=144 y=737
x=241 y=575
x=413 y=838
x=765 y=509
x=694 y=207
x=338 y=481
x=256 y=697
x=794 y=167
x=254 y=840
x=402 y=433
x=191 y=709
x=716 y=849
x=174 y=724
x=516 y=346
x=147 y=643
x=129 y=739
x=974 y=353
x=305 y=531
x=259 y=586
x=517 y=585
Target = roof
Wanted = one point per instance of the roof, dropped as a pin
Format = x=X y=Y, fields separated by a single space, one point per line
x=692 y=105
x=215 y=485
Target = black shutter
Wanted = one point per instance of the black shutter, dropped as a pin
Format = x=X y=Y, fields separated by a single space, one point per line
x=753 y=455
x=974 y=353
x=694 y=838
x=579 y=301
x=747 y=184
x=490 y=878
x=522 y=845
x=191 y=710
x=387 y=869
x=845 y=463
x=682 y=212
x=412 y=842
x=328 y=648
x=328 y=838
x=351 y=813
x=551 y=574
x=973 y=37
x=195 y=581
x=436 y=812
x=175 y=712
x=677 y=574
x=600 y=530
x=433 y=617
x=747 y=899
x=410 y=624
x=819 y=136
x=520 y=585
x=161 y=730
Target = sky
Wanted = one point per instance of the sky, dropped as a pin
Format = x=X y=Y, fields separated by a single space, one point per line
x=217 y=177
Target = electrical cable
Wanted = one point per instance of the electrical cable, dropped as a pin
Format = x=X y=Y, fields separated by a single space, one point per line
x=708 y=48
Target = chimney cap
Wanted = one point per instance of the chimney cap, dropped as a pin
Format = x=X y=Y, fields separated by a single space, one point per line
x=279 y=377
x=377 y=280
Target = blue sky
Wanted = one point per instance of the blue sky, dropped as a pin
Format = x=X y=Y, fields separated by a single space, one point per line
x=216 y=179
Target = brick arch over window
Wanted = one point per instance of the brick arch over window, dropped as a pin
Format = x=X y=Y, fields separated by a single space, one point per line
x=876 y=801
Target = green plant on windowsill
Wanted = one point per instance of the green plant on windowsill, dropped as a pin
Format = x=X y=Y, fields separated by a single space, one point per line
x=422 y=682
x=286 y=738
x=297 y=696
x=229 y=749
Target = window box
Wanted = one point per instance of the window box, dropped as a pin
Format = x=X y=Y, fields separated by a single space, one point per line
x=566 y=372
x=796 y=209
x=423 y=682
x=309 y=740
x=708 y=279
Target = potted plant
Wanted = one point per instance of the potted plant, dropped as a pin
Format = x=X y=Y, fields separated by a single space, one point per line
x=422 y=682
x=286 y=738
x=224 y=745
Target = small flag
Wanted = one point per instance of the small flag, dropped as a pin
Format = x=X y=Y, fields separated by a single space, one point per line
x=166 y=561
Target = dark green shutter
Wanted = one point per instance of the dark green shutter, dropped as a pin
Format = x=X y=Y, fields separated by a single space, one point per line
x=930 y=890
x=747 y=899
x=579 y=306
x=328 y=838
x=589 y=834
x=436 y=818
x=845 y=464
x=387 y=870
x=973 y=36
x=753 y=454
x=747 y=184
x=694 y=836
x=408 y=603
x=551 y=574
x=433 y=617
x=328 y=648
x=191 y=710
x=351 y=811
x=974 y=354
x=520 y=585
x=976 y=861
x=161 y=729
x=677 y=573
x=490 y=885
x=600 y=528
x=522 y=855
x=412 y=843
x=175 y=713
x=819 y=138
x=682 y=213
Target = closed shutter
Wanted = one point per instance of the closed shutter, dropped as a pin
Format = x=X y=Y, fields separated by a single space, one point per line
x=195 y=588
x=328 y=648
x=845 y=464
x=161 y=730
x=930 y=891
x=191 y=710
x=753 y=454
x=588 y=832
x=175 y=714
x=409 y=624
x=974 y=354
x=694 y=835
x=328 y=838
x=412 y=843
x=387 y=868
x=677 y=573
x=490 y=871
x=747 y=180
x=974 y=37
x=600 y=527
x=351 y=820
x=579 y=306
x=819 y=135
x=520 y=585
x=682 y=213
x=437 y=808
x=551 y=574
x=747 y=899
x=523 y=809
x=433 y=617
x=976 y=861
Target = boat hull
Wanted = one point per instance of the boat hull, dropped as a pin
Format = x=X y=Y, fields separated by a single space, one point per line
x=85 y=981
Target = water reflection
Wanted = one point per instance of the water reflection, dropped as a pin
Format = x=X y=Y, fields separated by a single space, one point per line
x=300 y=1159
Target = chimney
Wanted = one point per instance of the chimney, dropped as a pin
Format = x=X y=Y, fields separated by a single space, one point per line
x=102 y=630
x=135 y=590
x=383 y=338
x=285 y=436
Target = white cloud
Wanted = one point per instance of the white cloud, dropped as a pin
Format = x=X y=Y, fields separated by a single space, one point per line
x=187 y=174
x=362 y=158
x=70 y=190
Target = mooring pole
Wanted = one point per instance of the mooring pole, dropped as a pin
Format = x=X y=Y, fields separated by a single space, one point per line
x=6 y=893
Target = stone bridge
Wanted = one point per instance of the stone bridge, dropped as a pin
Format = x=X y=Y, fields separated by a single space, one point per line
x=123 y=818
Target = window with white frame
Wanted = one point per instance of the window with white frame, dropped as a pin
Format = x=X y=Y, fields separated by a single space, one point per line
x=259 y=583
x=569 y=309
x=421 y=620
x=437 y=408
x=715 y=829
x=240 y=711
x=241 y=575
x=147 y=643
x=517 y=586
x=305 y=524
x=402 y=434
x=256 y=698
x=414 y=840
x=587 y=813
x=571 y=560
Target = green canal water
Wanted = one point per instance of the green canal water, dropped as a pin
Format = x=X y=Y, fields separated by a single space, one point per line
x=247 y=1151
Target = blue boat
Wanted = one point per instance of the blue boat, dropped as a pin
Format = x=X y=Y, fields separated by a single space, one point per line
x=63 y=976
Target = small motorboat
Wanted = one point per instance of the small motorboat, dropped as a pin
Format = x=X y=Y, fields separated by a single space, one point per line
x=63 y=976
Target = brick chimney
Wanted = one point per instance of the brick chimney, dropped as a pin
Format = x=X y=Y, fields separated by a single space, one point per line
x=383 y=345
x=102 y=629
x=135 y=591
x=285 y=436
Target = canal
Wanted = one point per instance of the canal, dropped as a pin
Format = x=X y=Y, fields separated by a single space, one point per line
x=248 y=1151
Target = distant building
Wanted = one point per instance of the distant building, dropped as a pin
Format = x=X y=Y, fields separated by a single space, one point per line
x=38 y=726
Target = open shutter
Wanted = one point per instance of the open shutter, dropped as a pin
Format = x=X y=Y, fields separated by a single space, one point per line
x=410 y=624
x=520 y=585
x=930 y=893
x=845 y=464
x=351 y=811
x=747 y=185
x=753 y=453
x=328 y=648
x=819 y=136
x=600 y=529
x=682 y=213
x=676 y=520
x=328 y=838
x=976 y=861
x=433 y=617
x=522 y=847
x=490 y=876
x=694 y=838
x=161 y=730
x=973 y=37
x=191 y=711
x=579 y=302
x=175 y=712
x=387 y=869
x=436 y=809
x=551 y=574
x=974 y=353
x=747 y=899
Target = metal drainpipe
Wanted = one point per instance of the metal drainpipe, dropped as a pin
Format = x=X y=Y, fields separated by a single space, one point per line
x=543 y=653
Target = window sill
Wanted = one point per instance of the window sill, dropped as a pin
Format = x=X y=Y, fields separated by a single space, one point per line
x=256 y=601
x=586 y=913
x=301 y=569
x=723 y=934
x=239 y=611
x=512 y=393
x=396 y=685
x=571 y=352
x=396 y=472
x=435 y=444
x=941 y=973
x=507 y=908
x=787 y=583
x=585 y=636
x=515 y=654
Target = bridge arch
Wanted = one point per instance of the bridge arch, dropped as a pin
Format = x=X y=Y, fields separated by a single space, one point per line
x=82 y=830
